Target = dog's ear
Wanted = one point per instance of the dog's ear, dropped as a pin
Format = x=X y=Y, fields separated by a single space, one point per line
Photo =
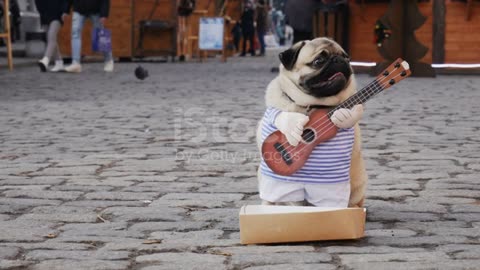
x=289 y=57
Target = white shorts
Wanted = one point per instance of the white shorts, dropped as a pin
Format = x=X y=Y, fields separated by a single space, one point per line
x=324 y=195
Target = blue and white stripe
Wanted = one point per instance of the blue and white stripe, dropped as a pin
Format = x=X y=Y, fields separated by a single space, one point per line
x=329 y=161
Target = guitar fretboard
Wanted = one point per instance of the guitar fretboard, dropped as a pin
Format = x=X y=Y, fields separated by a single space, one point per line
x=362 y=96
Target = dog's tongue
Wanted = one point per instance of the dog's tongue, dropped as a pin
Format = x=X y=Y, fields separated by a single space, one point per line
x=335 y=76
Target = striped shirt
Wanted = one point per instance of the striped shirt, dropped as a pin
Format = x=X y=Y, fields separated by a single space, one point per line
x=329 y=161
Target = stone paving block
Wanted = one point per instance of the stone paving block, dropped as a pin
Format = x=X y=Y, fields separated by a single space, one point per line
x=389 y=194
x=168 y=226
x=8 y=252
x=382 y=215
x=419 y=240
x=352 y=259
x=66 y=171
x=81 y=265
x=194 y=261
x=83 y=188
x=41 y=255
x=208 y=200
x=370 y=249
x=61 y=213
x=28 y=202
x=245 y=260
x=165 y=187
x=24 y=187
x=251 y=249
x=122 y=196
x=389 y=233
x=469 y=217
x=310 y=266
x=105 y=204
x=144 y=214
x=32 y=181
x=156 y=165
x=14 y=264
x=44 y=194
x=227 y=218
x=50 y=245
x=411 y=206
x=418 y=265
x=114 y=229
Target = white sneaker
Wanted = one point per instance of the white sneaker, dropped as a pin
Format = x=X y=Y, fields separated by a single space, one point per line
x=108 y=66
x=43 y=64
x=58 y=66
x=74 y=68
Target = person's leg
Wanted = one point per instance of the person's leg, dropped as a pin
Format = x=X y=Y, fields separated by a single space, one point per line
x=244 y=44
x=52 y=49
x=43 y=63
x=252 y=42
x=77 y=25
x=52 y=45
x=58 y=56
x=261 y=39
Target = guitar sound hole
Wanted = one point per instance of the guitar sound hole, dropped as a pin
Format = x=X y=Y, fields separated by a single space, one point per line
x=308 y=135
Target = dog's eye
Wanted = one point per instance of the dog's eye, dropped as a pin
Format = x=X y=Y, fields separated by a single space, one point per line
x=319 y=61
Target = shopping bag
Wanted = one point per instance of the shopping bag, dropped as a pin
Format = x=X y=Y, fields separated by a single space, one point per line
x=101 y=40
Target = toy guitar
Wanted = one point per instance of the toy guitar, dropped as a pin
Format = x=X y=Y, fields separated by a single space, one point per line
x=285 y=159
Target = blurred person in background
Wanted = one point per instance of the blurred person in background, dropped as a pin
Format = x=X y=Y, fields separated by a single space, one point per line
x=262 y=24
x=95 y=10
x=247 y=21
x=51 y=18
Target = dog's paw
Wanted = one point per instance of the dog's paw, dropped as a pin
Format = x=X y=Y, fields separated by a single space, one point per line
x=346 y=118
x=291 y=125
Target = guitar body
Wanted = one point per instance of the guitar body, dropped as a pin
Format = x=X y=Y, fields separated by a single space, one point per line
x=285 y=159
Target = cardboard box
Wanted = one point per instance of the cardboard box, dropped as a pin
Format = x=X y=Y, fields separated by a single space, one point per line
x=280 y=224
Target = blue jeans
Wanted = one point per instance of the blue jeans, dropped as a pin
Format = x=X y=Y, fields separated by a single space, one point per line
x=261 y=40
x=77 y=26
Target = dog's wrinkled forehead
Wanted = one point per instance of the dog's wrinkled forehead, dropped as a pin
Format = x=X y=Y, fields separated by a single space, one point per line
x=314 y=47
x=302 y=53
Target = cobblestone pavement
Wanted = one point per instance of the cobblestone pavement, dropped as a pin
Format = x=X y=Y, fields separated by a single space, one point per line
x=102 y=171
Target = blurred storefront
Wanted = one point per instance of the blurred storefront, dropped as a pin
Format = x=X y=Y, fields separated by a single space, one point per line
x=451 y=36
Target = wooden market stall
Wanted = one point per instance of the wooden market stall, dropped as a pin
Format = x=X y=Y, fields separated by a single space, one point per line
x=450 y=36
x=125 y=21
x=459 y=42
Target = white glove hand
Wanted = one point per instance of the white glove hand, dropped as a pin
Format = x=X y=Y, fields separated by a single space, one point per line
x=291 y=125
x=346 y=118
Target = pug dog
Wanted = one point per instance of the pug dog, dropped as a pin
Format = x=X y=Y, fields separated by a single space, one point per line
x=314 y=74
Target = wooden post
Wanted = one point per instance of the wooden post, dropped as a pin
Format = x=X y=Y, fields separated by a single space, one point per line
x=438 y=51
x=404 y=18
x=7 y=34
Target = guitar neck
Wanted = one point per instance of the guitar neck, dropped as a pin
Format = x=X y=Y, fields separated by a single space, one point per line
x=362 y=96
x=394 y=73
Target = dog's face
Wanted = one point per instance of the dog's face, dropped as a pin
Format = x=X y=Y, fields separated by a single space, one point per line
x=319 y=67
